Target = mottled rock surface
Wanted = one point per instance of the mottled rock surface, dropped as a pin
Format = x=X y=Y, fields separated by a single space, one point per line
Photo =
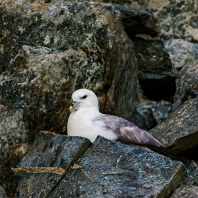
x=110 y=169
x=161 y=110
x=190 y=187
x=181 y=52
x=143 y=116
x=176 y=18
x=52 y=150
x=155 y=72
x=153 y=60
x=134 y=21
x=14 y=143
x=179 y=132
x=48 y=50
x=2 y=193
x=49 y=158
x=184 y=57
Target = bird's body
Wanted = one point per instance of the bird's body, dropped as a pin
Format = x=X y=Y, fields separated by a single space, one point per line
x=86 y=127
x=87 y=121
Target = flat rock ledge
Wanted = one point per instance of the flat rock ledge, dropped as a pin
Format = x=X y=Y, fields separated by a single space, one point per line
x=179 y=132
x=62 y=166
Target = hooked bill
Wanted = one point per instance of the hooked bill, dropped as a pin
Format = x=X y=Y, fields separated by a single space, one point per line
x=70 y=109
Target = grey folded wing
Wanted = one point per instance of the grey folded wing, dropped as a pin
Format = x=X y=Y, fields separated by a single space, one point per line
x=126 y=131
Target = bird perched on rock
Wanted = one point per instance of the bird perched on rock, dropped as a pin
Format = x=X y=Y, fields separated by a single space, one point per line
x=86 y=121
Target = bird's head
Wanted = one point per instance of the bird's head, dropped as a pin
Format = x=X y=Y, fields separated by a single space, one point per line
x=83 y=98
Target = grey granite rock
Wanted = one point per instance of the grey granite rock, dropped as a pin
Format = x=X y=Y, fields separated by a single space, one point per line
x=184 y=57
x=49 y=158
x=190 y=187
x=153 y=60
x=14 y=144
x=186 y=84
x=37 y=184
x=2 y=193
x=161 y=110
x=48 y=50
x=181 y=52
x=134 y=21
x=143 y=116
x=155 y=72
x=176 y=18
x=179 y=132
x=53 y=150
x=110 y=169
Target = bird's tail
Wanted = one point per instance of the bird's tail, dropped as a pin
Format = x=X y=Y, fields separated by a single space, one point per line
x=167 y=153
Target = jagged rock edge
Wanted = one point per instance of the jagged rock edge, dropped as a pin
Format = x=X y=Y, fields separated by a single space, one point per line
x=80 y=153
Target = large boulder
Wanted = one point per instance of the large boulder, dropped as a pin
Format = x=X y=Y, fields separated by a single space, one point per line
x=161 y=110
x=179 y=132
x=2 y=193
x=135 y=21
x=184 y=57
x=50 y=157
x=155 y=72
x=189 y=188
x=48 y=50
x=176 y=19
x=106 y=169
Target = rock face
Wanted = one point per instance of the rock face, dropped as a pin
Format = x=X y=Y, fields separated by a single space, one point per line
x=48 y=50
x=184 y=57
x=106 y=169
x=181 y=52
x=2 y=193
x=155 y=71
x=179 y=132
x=189 y=188
x=176 y=19
x=143 y=116
x=134 y=21
x=70 y=56
x=161 y=110
x=50 y=157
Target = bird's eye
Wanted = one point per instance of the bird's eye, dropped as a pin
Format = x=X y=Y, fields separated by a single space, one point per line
x=85 y=96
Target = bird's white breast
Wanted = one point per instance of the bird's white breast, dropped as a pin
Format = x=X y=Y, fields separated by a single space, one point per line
x=80 y=123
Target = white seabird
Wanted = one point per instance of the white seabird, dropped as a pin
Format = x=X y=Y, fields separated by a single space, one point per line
x=86 y=121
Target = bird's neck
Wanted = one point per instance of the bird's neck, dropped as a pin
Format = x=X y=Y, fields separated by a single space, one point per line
x=88 y=109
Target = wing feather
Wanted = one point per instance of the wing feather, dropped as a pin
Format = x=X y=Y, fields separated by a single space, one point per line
x=128 y=132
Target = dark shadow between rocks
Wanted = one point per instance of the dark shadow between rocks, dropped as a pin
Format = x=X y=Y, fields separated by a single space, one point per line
x=158 y=90
x=191 y=154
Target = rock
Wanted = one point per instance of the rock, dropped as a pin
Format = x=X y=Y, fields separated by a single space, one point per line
x=179 y=132
x=50 y=65
x=189 y=188
x=2 y=193
x=53 y=150
x=143 y=117
x=156 y=74
x=153 y=60
x=161 y=110
x=134 y=21
x=66 y=166
x=50 y=49
x=181 y=52
x=187 y=84
x=37 y=184
x=184 y=56
x=176 y=19
x=50 y=157
x=110 y=169
x=14 y=144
